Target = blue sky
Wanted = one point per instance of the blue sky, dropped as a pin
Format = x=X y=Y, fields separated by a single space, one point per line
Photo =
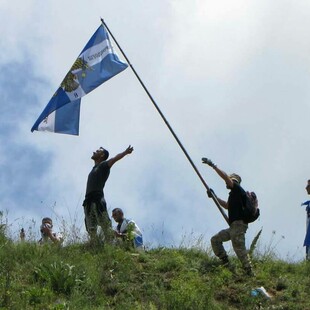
x=231 y=78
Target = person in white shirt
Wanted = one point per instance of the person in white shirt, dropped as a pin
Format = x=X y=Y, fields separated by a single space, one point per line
x=47 y=234
x=127 y=230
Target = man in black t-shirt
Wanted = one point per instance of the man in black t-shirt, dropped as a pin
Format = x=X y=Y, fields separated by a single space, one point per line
x=95 y=207
x=237 y=227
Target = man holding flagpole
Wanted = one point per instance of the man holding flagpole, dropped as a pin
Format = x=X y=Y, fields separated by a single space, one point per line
x=237 y=226
x=95 y=207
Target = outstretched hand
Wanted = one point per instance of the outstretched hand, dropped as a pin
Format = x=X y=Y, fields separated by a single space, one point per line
x=129 y=149
x=208 y=161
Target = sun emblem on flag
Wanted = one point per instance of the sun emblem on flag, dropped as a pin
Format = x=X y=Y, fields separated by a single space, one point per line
x=70 y=82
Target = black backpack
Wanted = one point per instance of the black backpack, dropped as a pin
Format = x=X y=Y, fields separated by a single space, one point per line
x=250 y=207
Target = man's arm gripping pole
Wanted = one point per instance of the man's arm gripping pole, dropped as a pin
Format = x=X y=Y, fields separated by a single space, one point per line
x=168 y=125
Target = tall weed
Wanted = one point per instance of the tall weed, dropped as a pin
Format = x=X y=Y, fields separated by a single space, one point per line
x=60 y=276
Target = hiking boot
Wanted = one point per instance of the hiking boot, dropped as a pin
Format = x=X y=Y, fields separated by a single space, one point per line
x=224 y=261
x=227 y=264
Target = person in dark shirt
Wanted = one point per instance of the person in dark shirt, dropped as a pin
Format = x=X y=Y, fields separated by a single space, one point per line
x=95 y=207
x=237 y=226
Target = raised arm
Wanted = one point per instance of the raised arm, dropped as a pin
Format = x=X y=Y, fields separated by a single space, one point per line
x=225 y=177
x=119 y=156
x=221 y=173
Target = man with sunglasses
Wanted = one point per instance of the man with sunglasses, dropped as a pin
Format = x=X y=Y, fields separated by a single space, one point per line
x=95 y=207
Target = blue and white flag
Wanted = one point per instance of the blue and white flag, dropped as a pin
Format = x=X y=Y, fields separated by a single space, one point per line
x=96 y=64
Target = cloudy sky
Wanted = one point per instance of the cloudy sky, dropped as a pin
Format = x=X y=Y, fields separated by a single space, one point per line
x=232 y=79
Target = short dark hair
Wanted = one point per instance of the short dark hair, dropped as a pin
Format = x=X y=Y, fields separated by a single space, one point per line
x=105 y=153
x=47 y=219
x=117 y=210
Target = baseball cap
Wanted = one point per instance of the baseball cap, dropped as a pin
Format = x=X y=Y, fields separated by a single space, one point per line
x=235 y=177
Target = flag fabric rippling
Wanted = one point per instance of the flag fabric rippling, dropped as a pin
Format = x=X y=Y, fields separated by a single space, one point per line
x=97 y=63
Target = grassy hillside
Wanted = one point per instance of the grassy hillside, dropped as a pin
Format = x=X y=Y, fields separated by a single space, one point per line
x=81 y=276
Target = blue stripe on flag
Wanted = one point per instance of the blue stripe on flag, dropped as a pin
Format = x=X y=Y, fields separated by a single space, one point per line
x=99 y=36
x=67 y=118
x=55 y=103
x=96 y=64
x=101 y=71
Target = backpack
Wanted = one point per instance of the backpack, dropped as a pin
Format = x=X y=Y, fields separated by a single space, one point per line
x=250 y=208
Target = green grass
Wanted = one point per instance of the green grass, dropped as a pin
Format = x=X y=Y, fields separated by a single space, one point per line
x=84 y=276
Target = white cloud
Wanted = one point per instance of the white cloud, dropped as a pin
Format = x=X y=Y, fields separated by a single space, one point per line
x=231 y=77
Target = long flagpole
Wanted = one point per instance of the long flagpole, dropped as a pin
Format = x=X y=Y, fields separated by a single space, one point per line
x=168 y=125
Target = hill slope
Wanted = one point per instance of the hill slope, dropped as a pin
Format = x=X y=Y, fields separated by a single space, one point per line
x=81 y=276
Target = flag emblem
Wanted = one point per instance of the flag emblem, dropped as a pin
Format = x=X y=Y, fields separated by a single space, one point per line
x=97 y=63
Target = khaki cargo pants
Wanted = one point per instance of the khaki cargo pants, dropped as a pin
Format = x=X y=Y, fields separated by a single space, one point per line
x=235 y=233
x=96 y=216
